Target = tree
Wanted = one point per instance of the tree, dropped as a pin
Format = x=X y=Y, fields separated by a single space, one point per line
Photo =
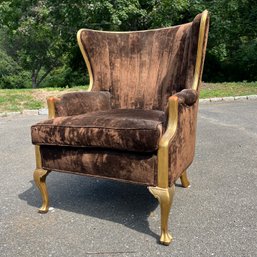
x=31 y=38
x=40 y=35
x=232 y=45
x=11 y=74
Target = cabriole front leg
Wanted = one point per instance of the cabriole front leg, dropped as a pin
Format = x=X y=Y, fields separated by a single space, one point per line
x=165 y=198
x=40 y=180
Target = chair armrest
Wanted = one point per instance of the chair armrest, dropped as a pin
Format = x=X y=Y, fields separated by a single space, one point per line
x=187 y=96
x=177 y=145
x=78 y=103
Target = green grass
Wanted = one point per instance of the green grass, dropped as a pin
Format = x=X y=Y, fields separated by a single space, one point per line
x=210 y=90
x=16 y=100
x=12 y=100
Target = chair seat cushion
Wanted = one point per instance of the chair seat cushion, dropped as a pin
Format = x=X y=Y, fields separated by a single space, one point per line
x=122 y=129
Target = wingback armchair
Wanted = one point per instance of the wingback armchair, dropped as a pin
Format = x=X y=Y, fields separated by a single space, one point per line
x=137 y=121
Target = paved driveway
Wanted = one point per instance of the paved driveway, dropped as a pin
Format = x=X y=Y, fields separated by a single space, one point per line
x=217 y=216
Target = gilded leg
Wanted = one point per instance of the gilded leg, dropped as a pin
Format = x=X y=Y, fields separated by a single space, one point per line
x=165 y=198
x=40 y=178
x=184 y=180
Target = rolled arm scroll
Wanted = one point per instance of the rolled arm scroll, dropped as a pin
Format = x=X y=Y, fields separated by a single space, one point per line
x=187 y=97
x=176 y=147
x=78 y=103
x=182 y=145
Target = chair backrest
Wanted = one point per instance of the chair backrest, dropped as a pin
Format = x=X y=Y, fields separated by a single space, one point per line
x=141 y=69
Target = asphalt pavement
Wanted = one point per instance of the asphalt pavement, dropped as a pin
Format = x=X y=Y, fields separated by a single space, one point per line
x=217 y=216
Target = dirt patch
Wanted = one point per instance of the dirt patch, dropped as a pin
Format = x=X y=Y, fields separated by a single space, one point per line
x=43 y=95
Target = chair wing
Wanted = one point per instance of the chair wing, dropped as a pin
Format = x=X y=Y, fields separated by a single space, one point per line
x=141 y=69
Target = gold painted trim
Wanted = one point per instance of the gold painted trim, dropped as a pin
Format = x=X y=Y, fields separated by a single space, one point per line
x=163 y=151
x=40 y=180
x=165 y=198
x=135 y=31
x=200 y=47
x=184 y=180
x=51 y=108
x=38 y=157
x=81 y=47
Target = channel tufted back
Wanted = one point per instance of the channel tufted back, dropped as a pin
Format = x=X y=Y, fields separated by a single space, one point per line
x=142 y=69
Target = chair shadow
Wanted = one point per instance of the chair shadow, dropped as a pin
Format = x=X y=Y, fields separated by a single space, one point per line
x=126 y=204
x=178 y=185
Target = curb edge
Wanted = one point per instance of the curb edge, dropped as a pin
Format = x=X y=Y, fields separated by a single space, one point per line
x=44 y=111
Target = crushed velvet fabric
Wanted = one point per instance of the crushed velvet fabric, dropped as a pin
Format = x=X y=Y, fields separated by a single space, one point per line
x=142 y=69
x=182 y=146
x=106 y=134
x=130 y=167
x=81 y=102
x=122 y=129
x=187 y=96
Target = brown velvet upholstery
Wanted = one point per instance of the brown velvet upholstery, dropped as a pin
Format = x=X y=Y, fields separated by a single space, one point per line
x=118 y=165
x=182 y=146
x=142 y=69
x=124 y=116
x=120 y=129
x=138 y=123
x=81 y=102
x=187 y=96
